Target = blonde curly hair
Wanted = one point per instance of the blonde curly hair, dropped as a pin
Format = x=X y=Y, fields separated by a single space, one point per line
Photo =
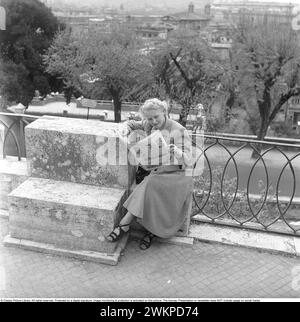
x=154 y=104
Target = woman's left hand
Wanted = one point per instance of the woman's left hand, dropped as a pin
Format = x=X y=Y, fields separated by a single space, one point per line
x=176 y=151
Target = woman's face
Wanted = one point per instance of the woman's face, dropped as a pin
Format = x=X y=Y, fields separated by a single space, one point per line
x=156 y=118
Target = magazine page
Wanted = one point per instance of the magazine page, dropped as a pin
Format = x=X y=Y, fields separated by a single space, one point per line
x=152 y=150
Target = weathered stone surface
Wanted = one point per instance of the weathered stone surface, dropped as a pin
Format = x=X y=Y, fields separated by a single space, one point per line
x=243 y=237
x=4 y=213
x=98 y=257
x=5 y=189
x=67 y=215
x=12 y=167
x=12 y=174
x=2 y=133
x=79 y=151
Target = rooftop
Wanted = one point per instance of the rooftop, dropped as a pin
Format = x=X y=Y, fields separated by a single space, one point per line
x=189 y=16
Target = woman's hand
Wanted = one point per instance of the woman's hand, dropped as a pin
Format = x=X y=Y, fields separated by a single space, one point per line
x=174 y=150
x=124 y=130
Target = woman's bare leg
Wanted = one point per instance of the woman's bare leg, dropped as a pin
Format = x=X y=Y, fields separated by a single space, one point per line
x=123 y=225
x=126 y=220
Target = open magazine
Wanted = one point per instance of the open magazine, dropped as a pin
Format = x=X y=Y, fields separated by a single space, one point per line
x=148 y=151
x=153 y=151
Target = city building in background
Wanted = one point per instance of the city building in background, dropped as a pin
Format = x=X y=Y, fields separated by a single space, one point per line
x=256 y=11
x=189 y=19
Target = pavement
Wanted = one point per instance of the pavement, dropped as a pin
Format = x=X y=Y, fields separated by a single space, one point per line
x=164 y=271
x=72 y=109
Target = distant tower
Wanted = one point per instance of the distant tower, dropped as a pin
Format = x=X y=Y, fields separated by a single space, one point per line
x=191 y=7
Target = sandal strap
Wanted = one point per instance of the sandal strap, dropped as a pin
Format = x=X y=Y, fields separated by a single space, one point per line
x=146 y=241
x=124 y=225
x=113 y=235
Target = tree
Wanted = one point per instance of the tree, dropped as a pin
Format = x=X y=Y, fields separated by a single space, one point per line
x=111 y=61
x=188 y=70
x=62 y=62
x=267 y=69
x=30 y=28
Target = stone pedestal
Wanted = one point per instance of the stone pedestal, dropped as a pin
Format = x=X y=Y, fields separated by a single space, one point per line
x=75 y=190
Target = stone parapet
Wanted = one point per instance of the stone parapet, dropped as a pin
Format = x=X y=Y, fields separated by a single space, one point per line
x=73 y=150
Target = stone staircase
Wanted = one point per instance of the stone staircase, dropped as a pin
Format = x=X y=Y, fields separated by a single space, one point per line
x=72 y=198
x=68 y=193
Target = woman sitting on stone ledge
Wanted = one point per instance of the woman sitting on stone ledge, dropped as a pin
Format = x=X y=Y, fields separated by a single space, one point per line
x=161 y=200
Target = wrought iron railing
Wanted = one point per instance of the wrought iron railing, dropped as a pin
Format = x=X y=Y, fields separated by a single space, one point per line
x=244 y=183
x=13 y=140
x=249 y=183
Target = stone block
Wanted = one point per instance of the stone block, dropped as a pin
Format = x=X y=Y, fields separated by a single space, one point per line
x=79 y=151
x=16 y=170
x=5 y=189
x=4 y=214
x=12 y=174
x=67 y=215
x=2 y=134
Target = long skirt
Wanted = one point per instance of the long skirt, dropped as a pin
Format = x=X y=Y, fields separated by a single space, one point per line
x=162 y=201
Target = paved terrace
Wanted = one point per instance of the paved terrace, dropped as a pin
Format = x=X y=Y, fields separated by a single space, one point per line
x=73 y=110
x=163 y=271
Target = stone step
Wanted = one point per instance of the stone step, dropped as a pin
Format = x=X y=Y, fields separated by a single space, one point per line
x=12 y=173
x=91 y=256
x=12 y=166
x=66 y=215
x=5 y=189
x=79 y=151
x=4 y=214
x=2 y=135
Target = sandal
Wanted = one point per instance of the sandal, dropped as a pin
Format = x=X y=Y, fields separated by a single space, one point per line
x=114 y=236
x=146 y=241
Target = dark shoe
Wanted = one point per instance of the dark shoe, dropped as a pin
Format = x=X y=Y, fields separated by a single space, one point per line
x=117 y=233
x=146 y=241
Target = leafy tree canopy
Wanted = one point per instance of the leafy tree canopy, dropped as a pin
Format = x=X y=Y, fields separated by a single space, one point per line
x=266 y=70
x=30 y=29
x=110 y=61
x=188 y=71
